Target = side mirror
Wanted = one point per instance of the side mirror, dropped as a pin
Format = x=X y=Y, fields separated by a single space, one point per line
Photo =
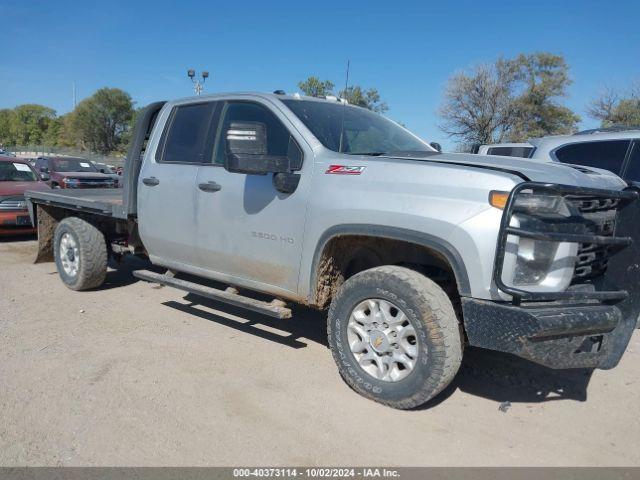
x=247 y=150
x=436 y=145
x=45 y=176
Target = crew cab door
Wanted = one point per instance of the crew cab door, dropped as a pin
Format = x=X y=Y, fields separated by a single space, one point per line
x=167 y=185
x=248 y=232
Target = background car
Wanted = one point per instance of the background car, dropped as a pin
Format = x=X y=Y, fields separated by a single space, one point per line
x=16 y=176
x=616 y=149
x=108 y=170
x=506 y=149
x=72 y=172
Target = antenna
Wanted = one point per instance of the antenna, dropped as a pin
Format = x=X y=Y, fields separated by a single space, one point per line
x=346 y=86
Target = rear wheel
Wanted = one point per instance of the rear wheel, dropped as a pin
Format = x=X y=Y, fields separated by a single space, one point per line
x=80 y=252
x=395 y=336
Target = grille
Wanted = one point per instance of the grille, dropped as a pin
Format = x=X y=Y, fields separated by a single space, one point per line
x=89 y=183
x=15 y=203
x=600 y=215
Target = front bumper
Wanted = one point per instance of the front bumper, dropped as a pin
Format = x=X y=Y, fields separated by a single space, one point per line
x=555 y=335
x=15 y=222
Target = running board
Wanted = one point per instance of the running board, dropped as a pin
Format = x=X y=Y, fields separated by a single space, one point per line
x=230 y=296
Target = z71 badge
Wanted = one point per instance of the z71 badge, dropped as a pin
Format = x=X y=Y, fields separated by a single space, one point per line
x=345 y=170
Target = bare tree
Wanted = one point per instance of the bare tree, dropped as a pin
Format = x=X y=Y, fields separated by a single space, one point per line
x=602 y=107
x=477 y=107
x=612 y=108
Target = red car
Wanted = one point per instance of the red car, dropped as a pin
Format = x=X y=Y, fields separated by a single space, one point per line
x=72 y=172
x=16 y=176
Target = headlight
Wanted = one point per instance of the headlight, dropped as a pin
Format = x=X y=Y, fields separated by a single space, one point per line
x=534 y=261
x=541 y=204
x=539 y=265
x=70 y=182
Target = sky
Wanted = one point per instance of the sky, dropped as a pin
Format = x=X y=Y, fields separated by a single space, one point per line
x=407 y=50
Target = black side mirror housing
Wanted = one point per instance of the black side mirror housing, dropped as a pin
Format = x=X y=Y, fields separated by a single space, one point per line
x=436 y=145
x=45 y=176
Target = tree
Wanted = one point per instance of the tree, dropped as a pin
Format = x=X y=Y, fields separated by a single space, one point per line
x=101 y=122
x=355 y=95
x=314 y=87
x=369 y=99
x=6 y=120
x=478 y=107
x=542 y=77
x=613 y=109
x=29 y=124
x=511 y=99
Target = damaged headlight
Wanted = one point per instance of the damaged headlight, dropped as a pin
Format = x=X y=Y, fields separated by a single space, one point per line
x=541 y=205
x=534 y=261
x=540 y=265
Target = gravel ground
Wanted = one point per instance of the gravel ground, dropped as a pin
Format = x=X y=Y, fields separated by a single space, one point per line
x=136 y=375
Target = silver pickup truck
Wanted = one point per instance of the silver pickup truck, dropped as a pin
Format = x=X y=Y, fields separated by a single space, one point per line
x=414 y=253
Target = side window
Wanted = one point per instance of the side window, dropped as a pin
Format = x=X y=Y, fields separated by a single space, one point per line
x=41 y=163
x=187 y=137
x=608 y=154
x=277 y=133
x=633 y=170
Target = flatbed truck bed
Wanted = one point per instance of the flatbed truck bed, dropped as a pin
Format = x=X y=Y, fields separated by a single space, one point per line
x=101 y=201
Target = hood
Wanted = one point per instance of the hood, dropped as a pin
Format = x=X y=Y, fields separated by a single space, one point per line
x=534 y=170
x=92 y=175
x=18 y=188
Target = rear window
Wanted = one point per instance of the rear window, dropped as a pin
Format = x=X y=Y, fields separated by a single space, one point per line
x=607 y=154
x=187 y=136
x=510 y=151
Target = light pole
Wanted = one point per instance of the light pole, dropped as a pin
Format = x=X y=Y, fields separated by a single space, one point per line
x=198 y=85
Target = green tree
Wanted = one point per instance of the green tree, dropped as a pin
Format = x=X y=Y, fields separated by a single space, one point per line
x=29 y=124
x=370 y=98
x=541 y=78
x=613 y=109
x=314 y=87
x=102 y=121
x=6 y=120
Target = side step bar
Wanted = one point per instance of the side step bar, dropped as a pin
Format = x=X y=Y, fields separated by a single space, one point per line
x=230 y=296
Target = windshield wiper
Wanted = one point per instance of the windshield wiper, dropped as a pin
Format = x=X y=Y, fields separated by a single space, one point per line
x=370 y=154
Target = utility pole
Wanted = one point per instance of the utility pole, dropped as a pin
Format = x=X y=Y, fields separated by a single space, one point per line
x=73 y=89
x=198 y=85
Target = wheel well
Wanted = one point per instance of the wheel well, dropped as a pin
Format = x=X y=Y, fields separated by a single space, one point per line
x=346 y=255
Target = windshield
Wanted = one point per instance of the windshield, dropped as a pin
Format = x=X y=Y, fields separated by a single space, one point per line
x=72 y=165
x=365 y=132
x=16 y=172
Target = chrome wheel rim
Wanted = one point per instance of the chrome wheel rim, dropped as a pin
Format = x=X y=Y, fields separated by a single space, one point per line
x=69 y=254
x=382 y=340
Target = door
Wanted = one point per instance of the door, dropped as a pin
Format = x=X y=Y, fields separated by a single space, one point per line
x=167 y=185
x=249 y=232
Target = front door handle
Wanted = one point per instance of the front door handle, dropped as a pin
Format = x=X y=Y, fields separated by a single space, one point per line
x=209 y=187
x=151 y=181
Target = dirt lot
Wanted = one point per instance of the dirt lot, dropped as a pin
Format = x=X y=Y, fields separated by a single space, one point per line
x=137 y=375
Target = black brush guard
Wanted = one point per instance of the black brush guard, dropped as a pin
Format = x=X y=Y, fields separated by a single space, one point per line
x=615 y=243
x=587 y=326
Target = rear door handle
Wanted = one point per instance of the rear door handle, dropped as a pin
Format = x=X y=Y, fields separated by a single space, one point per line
x=151 y=181
x=209 y=187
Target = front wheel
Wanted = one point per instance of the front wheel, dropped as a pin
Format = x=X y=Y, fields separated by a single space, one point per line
x=80 y=252
x=395 y=336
